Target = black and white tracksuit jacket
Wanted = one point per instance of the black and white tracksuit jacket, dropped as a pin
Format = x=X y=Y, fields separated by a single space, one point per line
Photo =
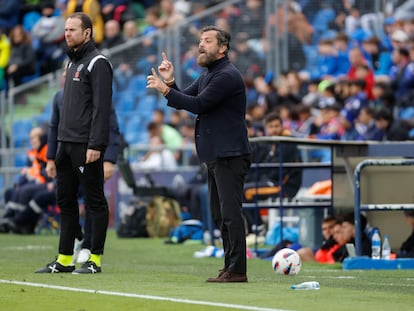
x=86 y=103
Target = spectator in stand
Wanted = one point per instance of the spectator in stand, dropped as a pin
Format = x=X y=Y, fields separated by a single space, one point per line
x=170 y=135
x=114 y=9
x=147 y=55
x=356 y=58
x=9 y=14
x=20 y=218
x=281 y=95
x=385 y=35
x=365 y=128
x=399 y=39
x=22 y=60
x=402 y=77
x=190 y=67
x=306 y=123
x=91 y=8
x=124 y=71
x=296 y=84
x=152 y=20
x=341 y=45
x=392 y=130
x=290 y=119
x=195 y=26
x=48 y=35
x=330 y=124
x=169 y=15
x=329 y=127
x=409 y=28
x=4 y=57
x=383 y=96
x=352 y=105
x=113 y=35
x=378 y=58
x=311 y=98
x=251 y=20
x=158 y=157
x=129 y=30
x=32 y=178
x=299 y=33
x=244 y=57
x=327 y=60
x=34 y=171
x=187 y=130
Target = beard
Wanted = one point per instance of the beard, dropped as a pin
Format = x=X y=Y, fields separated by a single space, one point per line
x=205 y=59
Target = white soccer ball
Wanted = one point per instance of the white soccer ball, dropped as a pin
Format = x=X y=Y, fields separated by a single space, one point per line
x=286 y=261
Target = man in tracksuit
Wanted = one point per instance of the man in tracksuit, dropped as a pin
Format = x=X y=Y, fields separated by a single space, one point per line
x=218 y=97
x=83 y=136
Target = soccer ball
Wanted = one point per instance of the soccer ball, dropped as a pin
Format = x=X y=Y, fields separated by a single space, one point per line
x=286 y=261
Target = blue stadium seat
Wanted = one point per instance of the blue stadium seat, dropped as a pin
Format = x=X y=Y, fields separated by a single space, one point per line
x=147 y=105
x=126 y=103
x=20 y=160
x=135 y=130
x=30 y=19
x=138 y=85
x=321 y=22
x=21 y=130
x=44 y=117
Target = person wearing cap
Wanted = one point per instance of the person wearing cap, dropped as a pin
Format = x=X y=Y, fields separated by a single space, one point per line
x=399 y=38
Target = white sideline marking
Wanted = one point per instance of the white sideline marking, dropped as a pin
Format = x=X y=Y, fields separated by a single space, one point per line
x=150 y=297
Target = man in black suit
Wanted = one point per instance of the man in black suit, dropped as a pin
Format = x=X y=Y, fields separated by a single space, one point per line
x=218 y=98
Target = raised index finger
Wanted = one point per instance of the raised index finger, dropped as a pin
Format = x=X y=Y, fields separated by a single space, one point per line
x=164 y=56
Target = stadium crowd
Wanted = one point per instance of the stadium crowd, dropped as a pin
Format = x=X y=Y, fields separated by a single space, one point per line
x=346 y=78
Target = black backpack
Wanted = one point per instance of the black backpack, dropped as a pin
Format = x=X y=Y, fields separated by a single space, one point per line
x=134 y=225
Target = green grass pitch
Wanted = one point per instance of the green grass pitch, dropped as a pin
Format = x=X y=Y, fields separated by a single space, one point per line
x=146 y=274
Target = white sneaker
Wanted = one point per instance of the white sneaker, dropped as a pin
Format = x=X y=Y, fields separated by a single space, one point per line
x=84 y=255
x=76 y=249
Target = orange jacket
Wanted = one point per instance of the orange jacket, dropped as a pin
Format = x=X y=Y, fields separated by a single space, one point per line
x=38 y=164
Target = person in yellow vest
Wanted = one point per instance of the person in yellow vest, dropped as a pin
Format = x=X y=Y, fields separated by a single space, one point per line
x=4 y=57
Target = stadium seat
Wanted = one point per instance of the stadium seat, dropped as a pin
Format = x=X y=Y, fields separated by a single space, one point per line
x=321 y=22
x=21 y=130
x=135 y=131
x=138 y=85
x=30 y=19
x=20 y=160
x=147 y=105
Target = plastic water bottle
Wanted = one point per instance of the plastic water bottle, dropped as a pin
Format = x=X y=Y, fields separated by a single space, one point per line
x=376 y=245
x=306 y=286
x=386 y=248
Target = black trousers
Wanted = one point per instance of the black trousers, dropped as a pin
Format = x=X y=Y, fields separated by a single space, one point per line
x=72 y=172
x=225 y=182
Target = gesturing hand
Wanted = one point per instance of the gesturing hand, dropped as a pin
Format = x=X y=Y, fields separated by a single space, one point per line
x=166 y=68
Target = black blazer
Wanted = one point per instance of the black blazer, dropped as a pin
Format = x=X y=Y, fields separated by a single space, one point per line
x=218 y=97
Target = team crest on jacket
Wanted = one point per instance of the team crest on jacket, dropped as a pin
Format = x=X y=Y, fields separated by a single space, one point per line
x=77 y=73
